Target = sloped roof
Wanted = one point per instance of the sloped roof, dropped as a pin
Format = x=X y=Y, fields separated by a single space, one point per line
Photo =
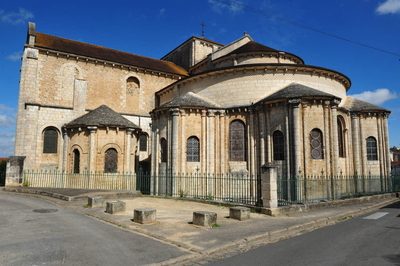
x=102 y=116
x=99 y=52
x=296 y=91
x=356 y=105
x=253 y=46
x=191 y=100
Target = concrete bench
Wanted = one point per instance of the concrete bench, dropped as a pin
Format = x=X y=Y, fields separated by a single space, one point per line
x=144 y=215
x=205 y=219
x=96 y=201
x=239 y=213
x=117 y=206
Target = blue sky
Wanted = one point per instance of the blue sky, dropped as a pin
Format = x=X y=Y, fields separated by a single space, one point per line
x=153 y=28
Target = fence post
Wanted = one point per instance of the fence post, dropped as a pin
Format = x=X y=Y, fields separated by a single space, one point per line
x=269 y=187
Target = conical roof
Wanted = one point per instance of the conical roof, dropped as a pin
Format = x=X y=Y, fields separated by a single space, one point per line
x=102 y=116
x=356 y=105
x=297 y=91
x=191 y=99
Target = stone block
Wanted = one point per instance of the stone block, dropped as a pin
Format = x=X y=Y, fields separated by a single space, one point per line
x=239 y=213
x=96 y=201
x=204 y=218
x=117 y=206
x=144 y=215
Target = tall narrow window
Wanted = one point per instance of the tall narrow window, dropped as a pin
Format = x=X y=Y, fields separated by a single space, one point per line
x=143 y=142
x=50 y=141
x=111 y=161
x=372 y=151
x=279 y=146
x=237 y=141
x=340 y=138
x=193 y=150
x=164 y=150
x=317 y=151
x=77 y=159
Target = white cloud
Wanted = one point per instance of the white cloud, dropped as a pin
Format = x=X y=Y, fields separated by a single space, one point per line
x=389 y=7
x=15 y=56
x=6 y=121
x=15 y=18
x=233 y=7
x=377 y=97
x=161 y=13
x=6 y=146
x=5 y=108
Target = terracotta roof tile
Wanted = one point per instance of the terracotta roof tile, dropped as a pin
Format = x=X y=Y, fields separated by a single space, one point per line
x=84 y=49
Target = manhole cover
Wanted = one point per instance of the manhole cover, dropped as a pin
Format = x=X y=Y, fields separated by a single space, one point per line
x=45 y=210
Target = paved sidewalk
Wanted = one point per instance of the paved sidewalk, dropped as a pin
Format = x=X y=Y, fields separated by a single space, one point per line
x=174 y=219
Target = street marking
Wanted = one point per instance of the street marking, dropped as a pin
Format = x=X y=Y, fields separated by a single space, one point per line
x=376 y=215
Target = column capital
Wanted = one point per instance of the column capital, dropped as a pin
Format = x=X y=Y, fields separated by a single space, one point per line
x=92 y=129
x=174 y=111
x=295 y=102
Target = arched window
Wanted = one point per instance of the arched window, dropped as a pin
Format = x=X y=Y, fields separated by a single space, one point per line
x=132 y=86
x=50 y=141
x=143 y=142
x=340 y=132
x=372 y=151
x=111 y=161
x=164 y=150
x=193 y=150
x=77 y=159
x=237 y=141
x=279 y=145
x=316 y=142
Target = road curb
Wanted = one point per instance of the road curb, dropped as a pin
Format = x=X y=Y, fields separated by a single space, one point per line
x=277 y=235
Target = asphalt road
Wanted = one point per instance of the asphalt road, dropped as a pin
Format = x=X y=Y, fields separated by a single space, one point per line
x=372 y=239
x=37 y=232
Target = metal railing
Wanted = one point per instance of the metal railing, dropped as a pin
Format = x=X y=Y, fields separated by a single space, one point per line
x=234 y=187
x=317 y=188
x=88 y=180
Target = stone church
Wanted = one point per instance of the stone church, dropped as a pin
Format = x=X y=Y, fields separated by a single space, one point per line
x=204 y=107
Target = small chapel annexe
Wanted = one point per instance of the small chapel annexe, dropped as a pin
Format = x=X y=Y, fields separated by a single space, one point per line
x=205 y=107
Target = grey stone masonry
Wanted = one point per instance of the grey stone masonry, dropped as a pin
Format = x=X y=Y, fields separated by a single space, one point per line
x=239 y=213
x=144 y=215
x=117 y=206
x=204 y=218
x=96 y=201
x=15 y=170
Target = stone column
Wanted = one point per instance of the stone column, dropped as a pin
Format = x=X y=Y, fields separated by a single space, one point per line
x=306 y=139
x=210 y=141
x=269 y=186
x=387 y=146
x=268 y=137
x=363 y=146
x=128 y=151
x=251 y=142
x=92 y=148
x=261 y=124
x=15 y=170
x=183 y=143
x=326 y=139
x=175 y=140
x=203 y=141
x=380 y=146
x=65 y=149
x=222 y=141
x=335 y=143
x=295 y=103
x=356 y=142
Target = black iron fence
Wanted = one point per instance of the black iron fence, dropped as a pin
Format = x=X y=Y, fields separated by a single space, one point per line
x=235 y=187
x=318 y=188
